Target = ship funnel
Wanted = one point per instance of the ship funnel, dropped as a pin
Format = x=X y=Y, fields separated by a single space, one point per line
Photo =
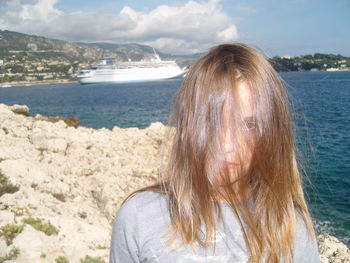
x=156 y=56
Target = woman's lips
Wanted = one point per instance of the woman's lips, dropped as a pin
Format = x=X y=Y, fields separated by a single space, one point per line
x=231 y=165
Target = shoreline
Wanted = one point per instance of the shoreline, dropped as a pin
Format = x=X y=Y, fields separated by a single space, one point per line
x=39 y=82
x=60 y=81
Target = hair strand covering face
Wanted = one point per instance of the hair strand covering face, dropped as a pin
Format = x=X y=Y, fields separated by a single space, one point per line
x=265 y=193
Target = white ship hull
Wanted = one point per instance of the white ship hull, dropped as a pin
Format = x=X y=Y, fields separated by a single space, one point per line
x=124 y=75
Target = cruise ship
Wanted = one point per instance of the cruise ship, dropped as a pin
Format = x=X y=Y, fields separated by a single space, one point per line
x=107 y=70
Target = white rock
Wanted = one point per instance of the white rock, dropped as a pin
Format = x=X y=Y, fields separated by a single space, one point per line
x=20 y=109
x=23 y=172
x=4 y=249
x=6 y=217
x=33 y=244
x=332 y=250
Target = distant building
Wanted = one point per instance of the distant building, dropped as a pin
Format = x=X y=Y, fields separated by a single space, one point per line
x=332 y=69
x=29 y=78
x=286 y=57
x=32 y=47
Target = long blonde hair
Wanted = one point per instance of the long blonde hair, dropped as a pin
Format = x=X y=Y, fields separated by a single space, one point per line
x=267 y=196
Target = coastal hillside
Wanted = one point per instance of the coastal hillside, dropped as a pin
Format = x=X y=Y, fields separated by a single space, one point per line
x=12 y=43
x=29 y=58
x=316 y=62
x=36 y=47
x=61 y=186
x=35 y=59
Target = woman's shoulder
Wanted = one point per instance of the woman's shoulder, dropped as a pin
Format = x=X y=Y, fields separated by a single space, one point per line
x=143 y=203
x=134 y=222
x=305 y=245
x=145 y=198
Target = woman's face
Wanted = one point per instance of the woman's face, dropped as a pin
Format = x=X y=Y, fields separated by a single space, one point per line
x=237 y=143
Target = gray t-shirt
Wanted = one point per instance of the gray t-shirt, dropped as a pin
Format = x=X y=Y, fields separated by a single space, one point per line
x=139 y=235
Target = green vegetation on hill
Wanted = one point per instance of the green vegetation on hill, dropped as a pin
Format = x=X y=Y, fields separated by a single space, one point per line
x=314 y=62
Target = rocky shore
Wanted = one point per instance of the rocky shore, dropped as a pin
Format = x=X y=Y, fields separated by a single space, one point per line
x=60 y=187
x=35 y=82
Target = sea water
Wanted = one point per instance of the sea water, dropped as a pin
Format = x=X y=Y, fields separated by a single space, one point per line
x=320 y=102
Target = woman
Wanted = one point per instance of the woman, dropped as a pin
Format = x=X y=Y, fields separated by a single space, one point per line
x=231 y=191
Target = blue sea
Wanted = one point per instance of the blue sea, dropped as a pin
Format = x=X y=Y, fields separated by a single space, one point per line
x=321 y=104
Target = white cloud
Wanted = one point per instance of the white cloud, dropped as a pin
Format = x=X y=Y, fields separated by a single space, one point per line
x=191 y=27
x=43 y=10
x=228 y=34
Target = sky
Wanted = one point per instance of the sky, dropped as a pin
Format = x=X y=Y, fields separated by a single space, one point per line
x=276 y=27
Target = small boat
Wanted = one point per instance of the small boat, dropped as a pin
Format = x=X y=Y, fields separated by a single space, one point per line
x=107 y=70
x=6 y=86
